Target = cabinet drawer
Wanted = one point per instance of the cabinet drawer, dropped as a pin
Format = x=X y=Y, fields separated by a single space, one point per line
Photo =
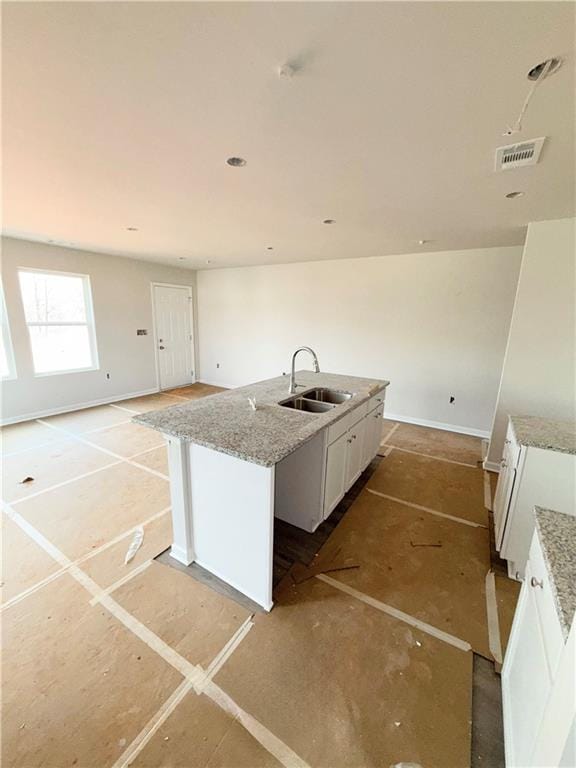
x=376 y=400
x=539 y=583
x=344 y=424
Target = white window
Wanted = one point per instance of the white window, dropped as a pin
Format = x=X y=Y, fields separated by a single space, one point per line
x=7 y=366
x=58 y=312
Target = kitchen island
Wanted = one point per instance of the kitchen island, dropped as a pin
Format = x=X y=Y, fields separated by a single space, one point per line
x=239 y=458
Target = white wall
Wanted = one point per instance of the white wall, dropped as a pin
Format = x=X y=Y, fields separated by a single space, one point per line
x=538 y=377
x=122 y=303
x=434 y=324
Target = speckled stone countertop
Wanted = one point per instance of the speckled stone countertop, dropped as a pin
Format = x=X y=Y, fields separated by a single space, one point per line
x=545 y=433
x=557 y=534
x=225 y=422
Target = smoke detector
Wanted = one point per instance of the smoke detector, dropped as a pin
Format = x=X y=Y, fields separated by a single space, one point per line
x=518 y=155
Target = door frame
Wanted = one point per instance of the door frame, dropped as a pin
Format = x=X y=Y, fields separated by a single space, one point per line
x=190 y=289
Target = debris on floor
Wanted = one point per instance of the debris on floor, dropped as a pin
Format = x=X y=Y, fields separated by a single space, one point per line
x=301 y=573
x=135 y=544
x=27 y=480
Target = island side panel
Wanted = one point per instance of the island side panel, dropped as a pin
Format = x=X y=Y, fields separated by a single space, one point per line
x=180 y=498
x=233 y=521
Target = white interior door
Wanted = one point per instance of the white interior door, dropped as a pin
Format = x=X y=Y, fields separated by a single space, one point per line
x=174 y=335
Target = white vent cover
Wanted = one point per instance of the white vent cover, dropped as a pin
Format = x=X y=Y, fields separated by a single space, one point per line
x=518 y=155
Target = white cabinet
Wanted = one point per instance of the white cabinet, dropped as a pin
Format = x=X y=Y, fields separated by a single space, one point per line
x=526 y=680
x=506 y=479
x=349 y=455
x=372 y=435
x=529 y=477
x=538 y=675
x=311 y=481
x=334 y=485
x=355 y=453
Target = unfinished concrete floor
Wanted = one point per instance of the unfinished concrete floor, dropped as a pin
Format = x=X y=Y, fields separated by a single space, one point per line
x=107 y=664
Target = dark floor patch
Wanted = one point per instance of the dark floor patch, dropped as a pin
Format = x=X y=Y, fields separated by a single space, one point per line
x=497 y=564
x=487 y=727
x=293 y=545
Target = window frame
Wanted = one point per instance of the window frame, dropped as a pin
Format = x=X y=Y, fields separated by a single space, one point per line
x=7 y=339
x=90 y=321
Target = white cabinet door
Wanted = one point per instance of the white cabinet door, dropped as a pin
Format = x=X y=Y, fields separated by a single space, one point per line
x=525 y=681
x=334 y=488
x=375 y=430
x=355 y=445
x=504 y=489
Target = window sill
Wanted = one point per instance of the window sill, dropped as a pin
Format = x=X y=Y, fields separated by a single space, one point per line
x=66 y=372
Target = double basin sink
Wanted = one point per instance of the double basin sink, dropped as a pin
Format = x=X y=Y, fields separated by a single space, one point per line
x=317 y=400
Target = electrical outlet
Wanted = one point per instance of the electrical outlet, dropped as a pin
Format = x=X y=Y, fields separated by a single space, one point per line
x=107 y=375
x=451 y=399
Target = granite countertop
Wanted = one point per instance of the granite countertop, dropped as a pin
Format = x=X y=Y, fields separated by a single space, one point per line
x=557 y=534
x=225 y=422
x=549 y=434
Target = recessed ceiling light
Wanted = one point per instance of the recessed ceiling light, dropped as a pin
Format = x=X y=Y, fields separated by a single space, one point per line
x=512 y=195
x=236 y=162
x=329 y=221
x=132 y=229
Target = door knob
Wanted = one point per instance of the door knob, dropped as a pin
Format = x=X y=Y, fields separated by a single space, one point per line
x=535 y=583
x=161 y=347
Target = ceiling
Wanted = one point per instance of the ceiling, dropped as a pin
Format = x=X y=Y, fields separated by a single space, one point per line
x=120 y=115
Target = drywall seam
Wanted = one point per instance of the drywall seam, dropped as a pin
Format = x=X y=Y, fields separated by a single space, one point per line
x=429 y=456
x=395 y=613
x=427 y=509
x=77 y=407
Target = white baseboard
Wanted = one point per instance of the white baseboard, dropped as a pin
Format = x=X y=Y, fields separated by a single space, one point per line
x=437 y=425
x=76 y=407
x=222 y=384
x=491 y=466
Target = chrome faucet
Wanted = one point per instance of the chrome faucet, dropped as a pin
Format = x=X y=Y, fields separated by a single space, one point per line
x=293 y=385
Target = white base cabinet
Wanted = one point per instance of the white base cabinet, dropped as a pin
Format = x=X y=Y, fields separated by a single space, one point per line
x=538 y=676
x=529 y=477
x=335 y=481
x=313 y=480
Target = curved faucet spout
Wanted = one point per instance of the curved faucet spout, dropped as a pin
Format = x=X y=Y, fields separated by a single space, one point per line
x=293 y=385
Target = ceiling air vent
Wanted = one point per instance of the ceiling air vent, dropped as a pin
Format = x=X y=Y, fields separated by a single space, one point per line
x=518 y=155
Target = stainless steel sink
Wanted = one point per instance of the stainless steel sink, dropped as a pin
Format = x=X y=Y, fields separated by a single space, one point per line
x=300 y=403
x=324 y=395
